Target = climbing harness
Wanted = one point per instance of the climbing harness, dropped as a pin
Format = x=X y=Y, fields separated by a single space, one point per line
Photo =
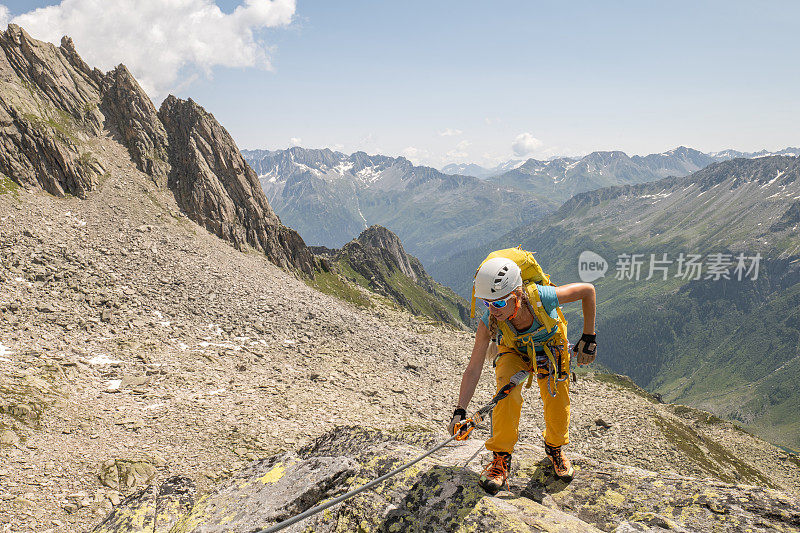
x=552 y=368
x=462 y=430
x=556 y=374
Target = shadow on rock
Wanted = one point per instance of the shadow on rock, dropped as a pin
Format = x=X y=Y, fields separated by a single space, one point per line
x=543 y=481
x=440 y=499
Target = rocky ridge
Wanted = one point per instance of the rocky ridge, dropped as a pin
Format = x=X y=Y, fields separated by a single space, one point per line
x=52 y=105
x=129 y=351
x=49 y=108
x=442 y=493
x=377 y=261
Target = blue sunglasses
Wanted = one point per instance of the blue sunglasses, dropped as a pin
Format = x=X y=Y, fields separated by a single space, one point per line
x=498 y=304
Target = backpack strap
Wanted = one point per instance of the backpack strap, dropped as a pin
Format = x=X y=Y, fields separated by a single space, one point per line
x=538 y=309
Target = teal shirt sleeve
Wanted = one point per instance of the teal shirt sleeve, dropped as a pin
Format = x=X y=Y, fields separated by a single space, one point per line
x=547 y=293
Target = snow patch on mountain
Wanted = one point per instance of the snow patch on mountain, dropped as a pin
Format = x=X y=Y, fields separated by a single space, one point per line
x=369 y=175
x=343 y=167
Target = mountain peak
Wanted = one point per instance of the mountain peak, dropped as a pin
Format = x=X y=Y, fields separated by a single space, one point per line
x=381 y=238
x=606 y=154
x=217 y=189
x=378 y=257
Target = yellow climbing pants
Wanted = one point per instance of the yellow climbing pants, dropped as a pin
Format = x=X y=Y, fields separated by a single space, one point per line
x=505 y=417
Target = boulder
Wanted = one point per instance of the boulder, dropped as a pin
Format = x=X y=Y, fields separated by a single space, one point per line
x=154 y=509
x=126 y=474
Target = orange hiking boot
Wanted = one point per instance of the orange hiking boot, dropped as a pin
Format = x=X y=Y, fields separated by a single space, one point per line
x=561 y=464
x=495 y=475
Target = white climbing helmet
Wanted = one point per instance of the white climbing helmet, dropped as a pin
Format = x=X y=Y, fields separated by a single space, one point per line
x=497 y=278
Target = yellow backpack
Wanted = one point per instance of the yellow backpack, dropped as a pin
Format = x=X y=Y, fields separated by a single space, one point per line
x=532 y=273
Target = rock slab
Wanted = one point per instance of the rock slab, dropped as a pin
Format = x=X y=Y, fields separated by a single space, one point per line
x=438 y=494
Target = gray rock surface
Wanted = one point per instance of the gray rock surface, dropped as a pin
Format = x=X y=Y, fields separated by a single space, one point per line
x=154 y=509
x=438 y=494
x=136 y=120
x=48 y=108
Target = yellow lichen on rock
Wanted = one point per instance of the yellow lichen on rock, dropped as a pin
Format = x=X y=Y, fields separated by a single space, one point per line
x=138 y=519
x=614 y=498
x=273 y=475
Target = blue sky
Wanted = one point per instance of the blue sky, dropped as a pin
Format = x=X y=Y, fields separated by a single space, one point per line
x=460 y=81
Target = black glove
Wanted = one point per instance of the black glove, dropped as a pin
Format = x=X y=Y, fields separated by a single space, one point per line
x=586 y=348
x=458 y=415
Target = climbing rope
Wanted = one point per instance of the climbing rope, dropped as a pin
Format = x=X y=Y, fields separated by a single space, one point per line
x=461 y=432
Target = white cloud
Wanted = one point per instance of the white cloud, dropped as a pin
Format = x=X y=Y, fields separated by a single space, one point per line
x=410 y=152
x=5 y=16
x=456 y=154
x=295 y=141
x=525 y=144
x=164 y=43
x=418 y=156
x=450 y=132
x=463 y=145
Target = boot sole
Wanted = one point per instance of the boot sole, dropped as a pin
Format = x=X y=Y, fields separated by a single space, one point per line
x=567 y=477
x=492 y=490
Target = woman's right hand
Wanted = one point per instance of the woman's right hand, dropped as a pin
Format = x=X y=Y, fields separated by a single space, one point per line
x=458 y=415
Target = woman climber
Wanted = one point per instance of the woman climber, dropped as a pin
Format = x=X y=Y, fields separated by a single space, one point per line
x=532 y=337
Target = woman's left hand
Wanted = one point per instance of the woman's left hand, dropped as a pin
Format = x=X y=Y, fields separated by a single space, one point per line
x=586 y=348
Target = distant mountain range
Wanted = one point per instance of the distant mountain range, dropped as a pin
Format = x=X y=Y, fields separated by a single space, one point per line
x=471 y=169
x=330 y=197
x=562 y=178
x=720 y=343
x=673 y=159
x=725 y=155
